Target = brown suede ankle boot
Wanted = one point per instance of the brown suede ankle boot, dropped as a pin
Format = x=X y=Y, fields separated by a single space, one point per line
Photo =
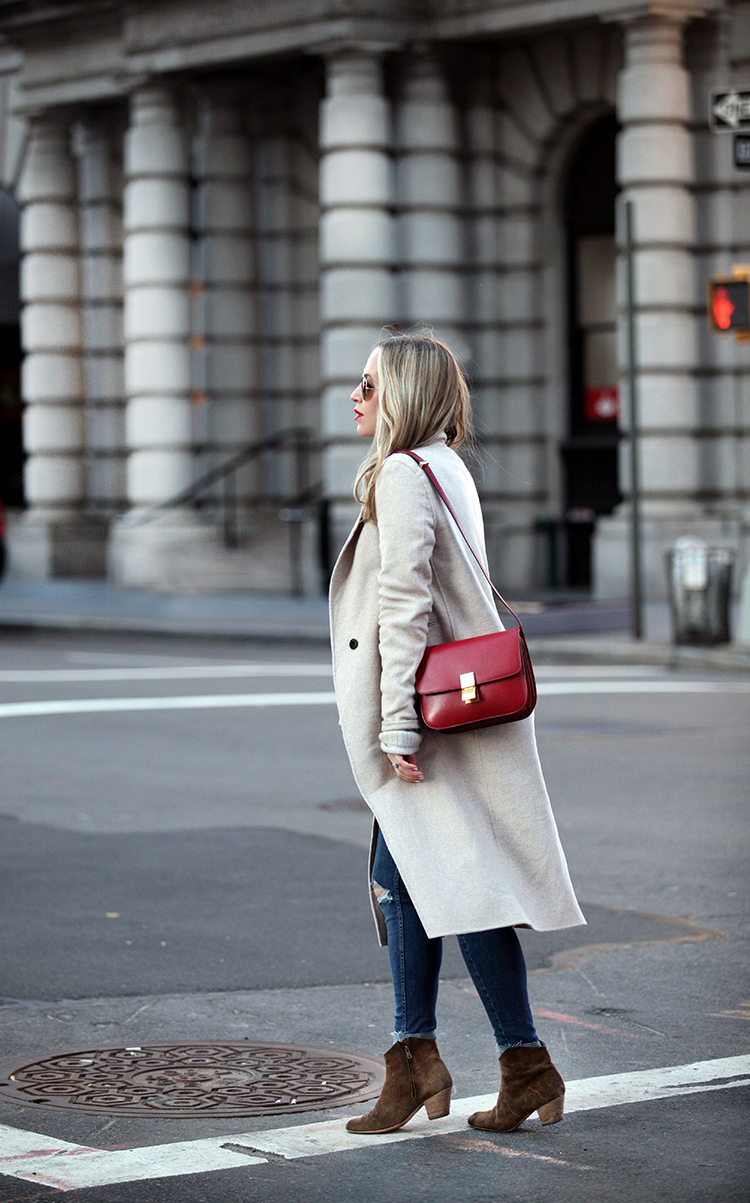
x=529 y=1082
x=415 y=1077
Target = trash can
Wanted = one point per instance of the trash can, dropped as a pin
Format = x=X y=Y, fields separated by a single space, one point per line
x=699 y=579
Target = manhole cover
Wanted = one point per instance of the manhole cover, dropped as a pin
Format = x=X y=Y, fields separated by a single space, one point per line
x=183 y=1080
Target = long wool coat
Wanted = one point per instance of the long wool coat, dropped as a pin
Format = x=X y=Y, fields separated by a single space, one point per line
x=475 y=842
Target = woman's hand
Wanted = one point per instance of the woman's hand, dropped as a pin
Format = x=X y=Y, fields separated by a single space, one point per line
x=405 y=767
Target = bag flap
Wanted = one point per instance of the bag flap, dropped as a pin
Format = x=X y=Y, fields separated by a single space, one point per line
x=490 y=657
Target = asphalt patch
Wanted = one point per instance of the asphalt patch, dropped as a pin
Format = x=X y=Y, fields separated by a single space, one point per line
x=112 y=915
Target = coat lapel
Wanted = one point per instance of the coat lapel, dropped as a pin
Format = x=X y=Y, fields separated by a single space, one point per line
x=344 y=557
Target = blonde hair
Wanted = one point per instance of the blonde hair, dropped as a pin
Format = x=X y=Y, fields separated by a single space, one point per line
x=423 y=393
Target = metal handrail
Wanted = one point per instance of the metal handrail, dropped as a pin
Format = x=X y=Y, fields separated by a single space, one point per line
x=296 y=437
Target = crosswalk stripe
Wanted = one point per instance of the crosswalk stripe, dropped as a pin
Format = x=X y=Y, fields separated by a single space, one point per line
x=55 y=1163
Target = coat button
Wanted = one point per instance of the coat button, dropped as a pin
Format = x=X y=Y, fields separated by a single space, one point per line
x=353 y=643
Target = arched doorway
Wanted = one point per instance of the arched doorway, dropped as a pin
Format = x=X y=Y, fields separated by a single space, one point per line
x=11 y=447
x=590 y=449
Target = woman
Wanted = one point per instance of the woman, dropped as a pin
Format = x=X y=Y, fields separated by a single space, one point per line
x=464 y=841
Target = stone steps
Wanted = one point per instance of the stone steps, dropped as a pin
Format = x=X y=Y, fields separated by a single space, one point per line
x=178 y=553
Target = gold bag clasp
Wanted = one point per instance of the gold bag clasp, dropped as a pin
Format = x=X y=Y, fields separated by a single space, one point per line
x=468 y=687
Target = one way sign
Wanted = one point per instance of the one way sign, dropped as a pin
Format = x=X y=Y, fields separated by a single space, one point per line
x=729 y=111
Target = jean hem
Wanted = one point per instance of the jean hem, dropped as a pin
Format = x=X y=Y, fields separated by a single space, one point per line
x=401 y=1036
x=502 y=1048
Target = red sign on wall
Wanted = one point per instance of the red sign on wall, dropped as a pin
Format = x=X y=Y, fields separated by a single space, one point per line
x=601 y=404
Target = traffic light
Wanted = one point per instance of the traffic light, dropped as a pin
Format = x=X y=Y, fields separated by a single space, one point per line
x=729 y=305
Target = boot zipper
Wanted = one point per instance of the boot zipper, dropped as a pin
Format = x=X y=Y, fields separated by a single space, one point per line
x=410 y=1063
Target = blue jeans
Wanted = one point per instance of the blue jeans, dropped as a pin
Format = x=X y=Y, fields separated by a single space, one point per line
x=493 y=958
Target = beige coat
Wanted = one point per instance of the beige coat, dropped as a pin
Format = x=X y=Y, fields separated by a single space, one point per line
x=475 y=842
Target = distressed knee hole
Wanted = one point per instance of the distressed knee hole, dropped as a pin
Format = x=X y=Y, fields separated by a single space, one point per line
x=381 y=894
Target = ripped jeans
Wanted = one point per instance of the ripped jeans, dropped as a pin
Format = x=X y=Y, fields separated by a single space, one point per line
x=494 y=959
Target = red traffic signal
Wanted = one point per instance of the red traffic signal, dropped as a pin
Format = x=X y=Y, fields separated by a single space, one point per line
x=729 y=305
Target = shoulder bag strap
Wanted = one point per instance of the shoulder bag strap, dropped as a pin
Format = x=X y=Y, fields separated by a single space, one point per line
x=439 y=489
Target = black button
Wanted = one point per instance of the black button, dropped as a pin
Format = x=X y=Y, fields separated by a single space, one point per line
x=353 y=643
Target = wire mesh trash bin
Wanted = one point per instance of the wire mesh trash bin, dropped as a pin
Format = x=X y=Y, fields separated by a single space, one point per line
x=700 y=581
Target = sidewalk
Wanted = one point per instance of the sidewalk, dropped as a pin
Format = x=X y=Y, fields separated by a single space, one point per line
x=570 y=629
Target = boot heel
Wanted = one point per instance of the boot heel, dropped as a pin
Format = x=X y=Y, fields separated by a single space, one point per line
x=439 y=1105
x=552 y=1112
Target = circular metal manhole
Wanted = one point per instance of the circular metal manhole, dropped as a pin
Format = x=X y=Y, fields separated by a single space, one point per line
x=185 y=1080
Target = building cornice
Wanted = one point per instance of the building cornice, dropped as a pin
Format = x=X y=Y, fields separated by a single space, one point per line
x=83 y=51
x=671 y=10
x=484 y=18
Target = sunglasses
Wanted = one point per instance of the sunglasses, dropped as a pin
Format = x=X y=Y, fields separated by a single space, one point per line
x=366 y=387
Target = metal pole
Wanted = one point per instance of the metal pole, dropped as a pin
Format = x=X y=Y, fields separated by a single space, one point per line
x=635 y=505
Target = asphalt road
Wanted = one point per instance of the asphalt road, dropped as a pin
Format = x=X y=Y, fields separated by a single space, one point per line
x=194 y=869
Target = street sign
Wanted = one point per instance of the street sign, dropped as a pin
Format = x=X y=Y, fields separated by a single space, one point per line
x=729 y=111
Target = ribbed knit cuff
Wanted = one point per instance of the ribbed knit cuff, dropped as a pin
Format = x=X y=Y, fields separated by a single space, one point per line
x=402 y=742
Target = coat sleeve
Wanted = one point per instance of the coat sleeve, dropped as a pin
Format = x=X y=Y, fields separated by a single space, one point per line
x=406 y=531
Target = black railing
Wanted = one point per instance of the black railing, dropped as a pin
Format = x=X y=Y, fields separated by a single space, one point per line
x=294 y=508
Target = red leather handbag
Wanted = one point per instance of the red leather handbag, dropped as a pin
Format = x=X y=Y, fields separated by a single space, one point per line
x=478 y=682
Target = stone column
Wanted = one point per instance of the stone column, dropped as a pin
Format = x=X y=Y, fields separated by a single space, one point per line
x=655 y=169
x=54 y=538
x=100 y=192
x=224 y=302
x=431 y=240
x=157 y=311
x=158 y=417
x=358 y=295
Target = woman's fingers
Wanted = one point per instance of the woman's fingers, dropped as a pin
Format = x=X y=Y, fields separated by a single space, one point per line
x=405 y=767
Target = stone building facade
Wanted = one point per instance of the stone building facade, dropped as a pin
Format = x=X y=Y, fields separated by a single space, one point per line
x=222 y=205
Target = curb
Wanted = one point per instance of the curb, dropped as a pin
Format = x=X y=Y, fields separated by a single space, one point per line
x=545 y=649
x=97 y=623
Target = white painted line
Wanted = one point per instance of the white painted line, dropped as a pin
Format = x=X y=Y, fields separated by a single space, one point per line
x=587 y=1094
x=228 y=700
x=69 y=1166
x=15 y=1144
x=35 y=1158
x=196 y=672
x=199 y=702
x=592 y=671
x=678 y=686
x=133 y=659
